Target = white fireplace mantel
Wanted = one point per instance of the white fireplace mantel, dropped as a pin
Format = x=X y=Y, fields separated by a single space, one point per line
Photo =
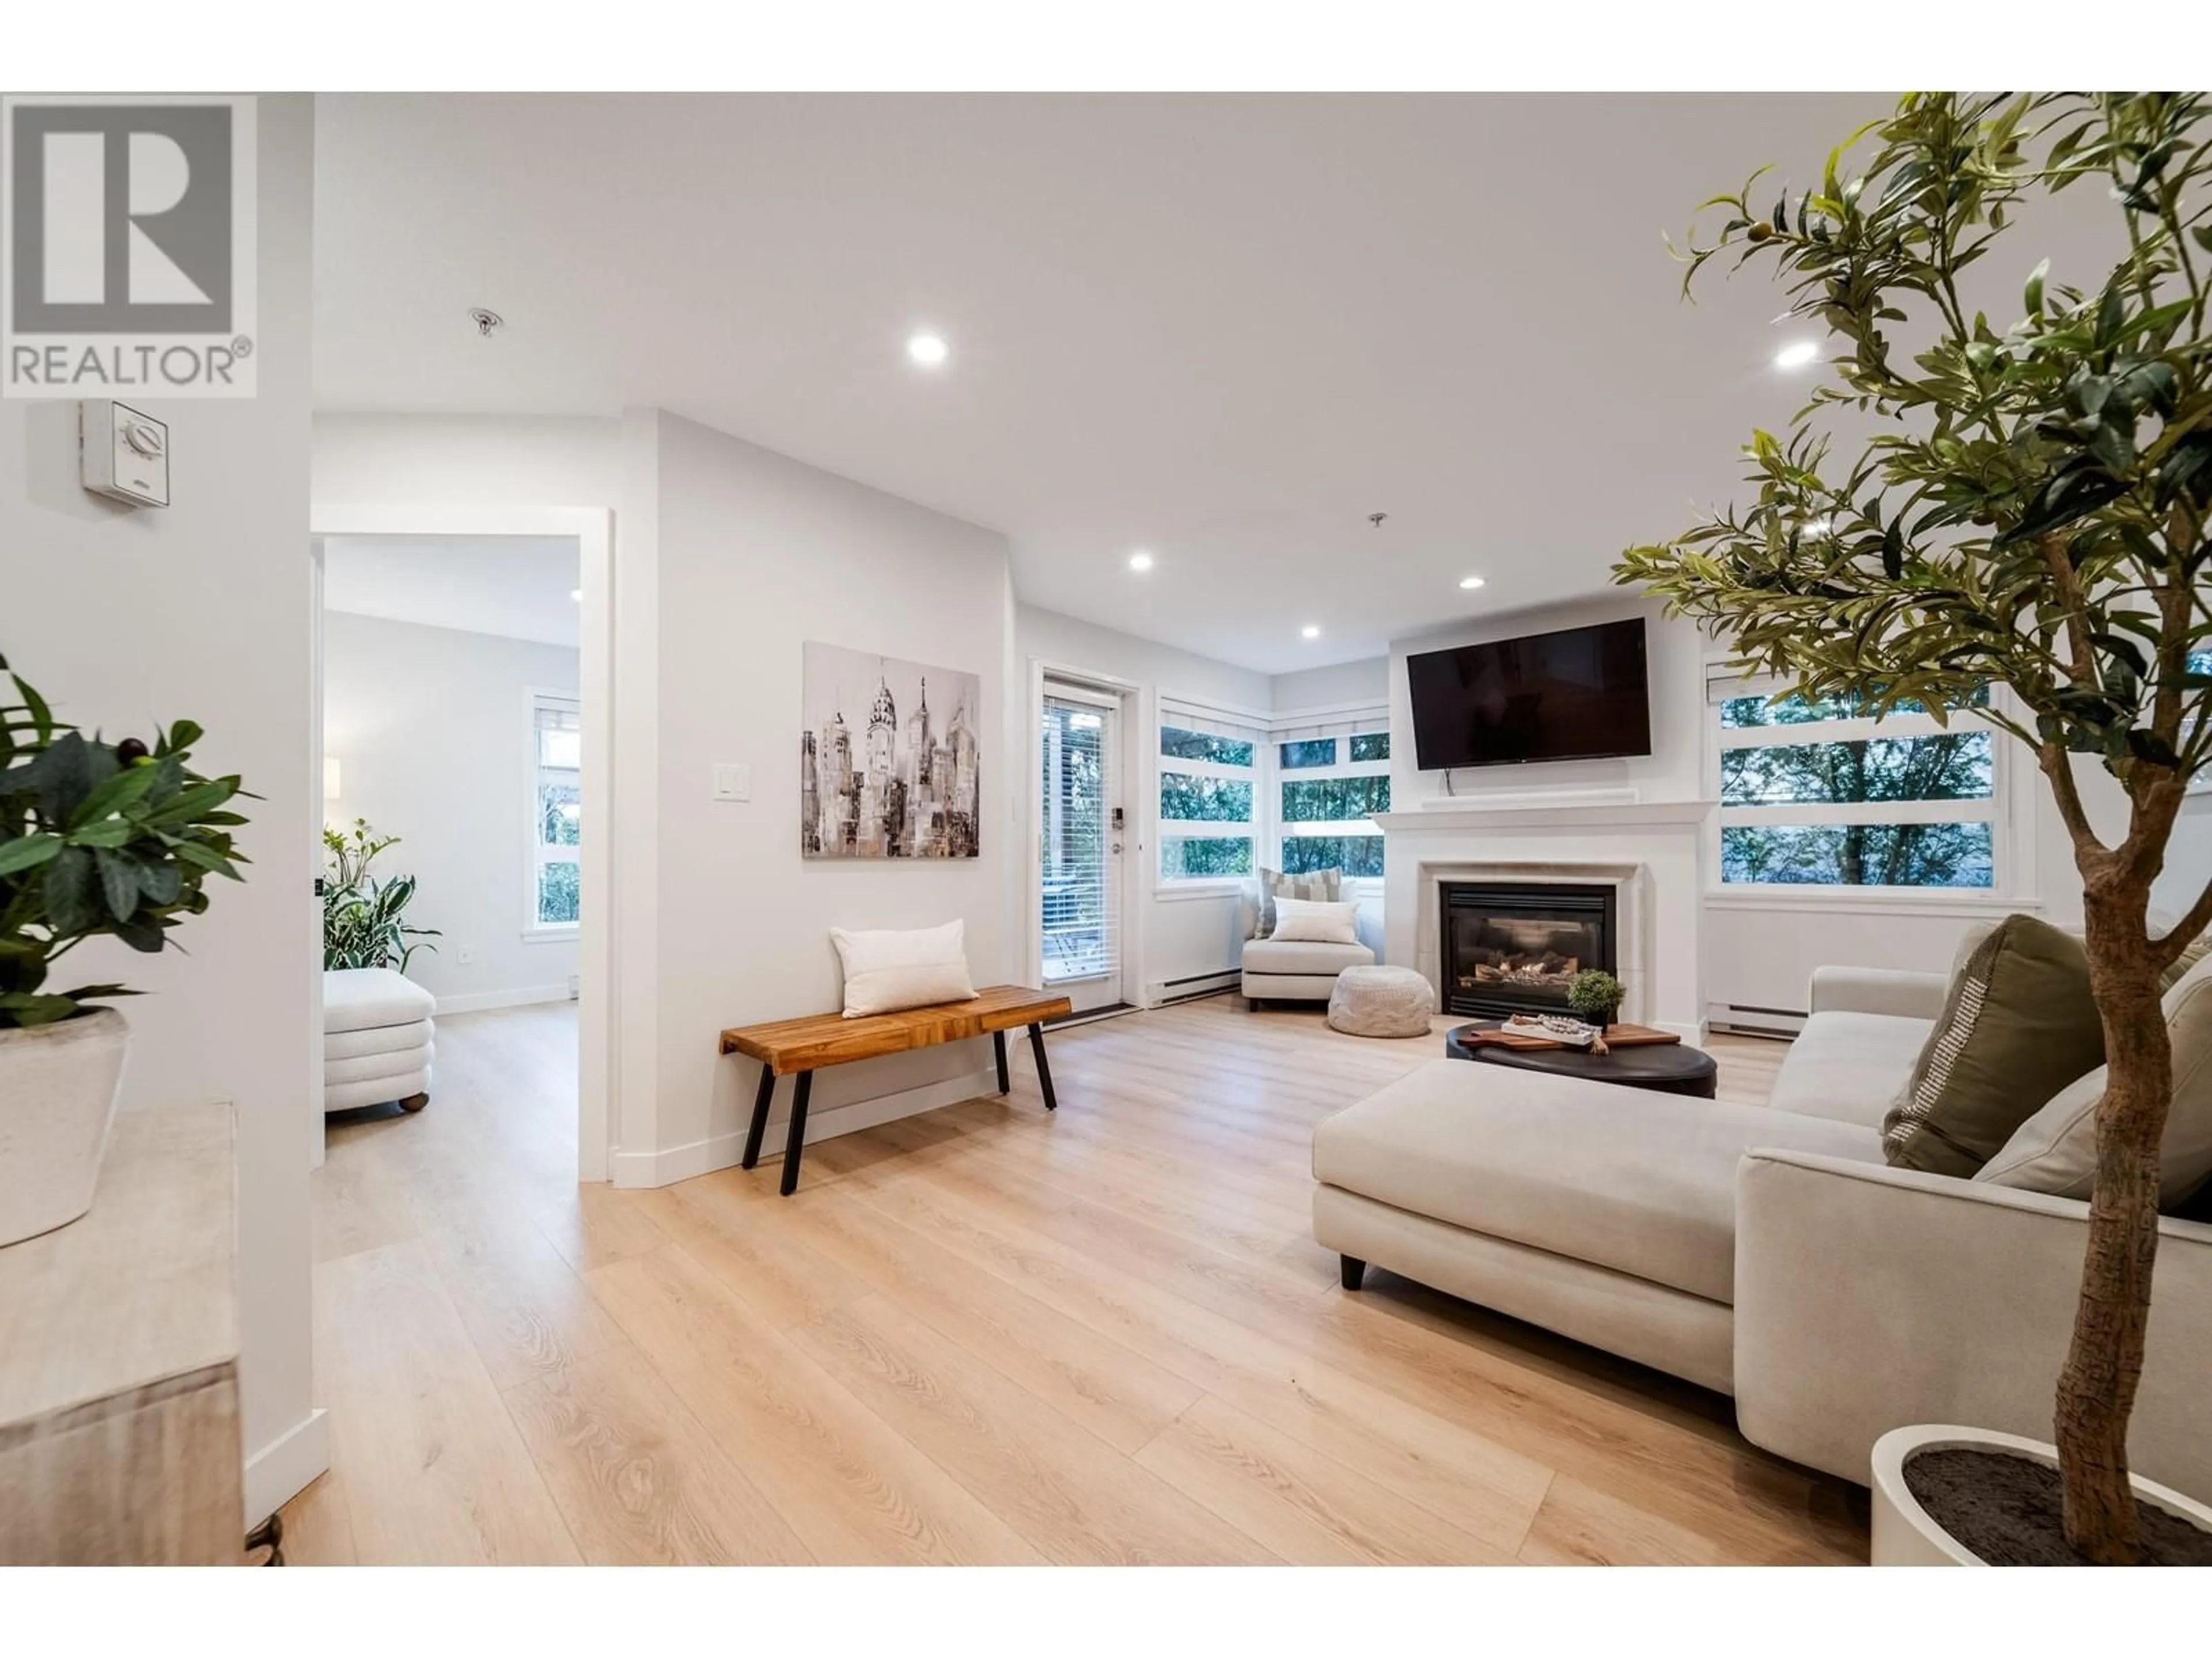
x=1651 y=853
x=1529 y=814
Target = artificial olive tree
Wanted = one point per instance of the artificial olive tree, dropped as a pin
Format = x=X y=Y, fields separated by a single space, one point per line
x=2029 y=513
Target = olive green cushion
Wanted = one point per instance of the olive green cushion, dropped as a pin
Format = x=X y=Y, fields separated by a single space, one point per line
x=2018 y=1024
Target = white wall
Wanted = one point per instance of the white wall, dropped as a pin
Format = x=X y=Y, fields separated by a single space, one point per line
x=756 y=555
x=1367 y=680
x=1180 y=937
x=431 y=728
x=475 y=460
x=201 y=611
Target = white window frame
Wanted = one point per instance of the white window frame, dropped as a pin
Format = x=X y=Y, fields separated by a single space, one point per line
x=1343 y=729
x=1242 y=725
x=2011 y=853
x=542 y=853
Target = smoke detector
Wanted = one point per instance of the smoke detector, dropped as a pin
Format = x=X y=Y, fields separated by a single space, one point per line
x=486 y=320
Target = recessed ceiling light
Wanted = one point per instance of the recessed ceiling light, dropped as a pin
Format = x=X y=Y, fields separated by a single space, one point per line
x=577 y=594
x=1470 y=581
x=1309 y=632
x=928 y=349
x=1140 y=560
x=1796 y=354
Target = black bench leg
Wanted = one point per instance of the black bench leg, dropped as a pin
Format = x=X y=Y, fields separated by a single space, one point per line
x=758 y=1128
x=798 y=1135
x=1044 y=1071
x=998 y=1053
x=1351 y=1270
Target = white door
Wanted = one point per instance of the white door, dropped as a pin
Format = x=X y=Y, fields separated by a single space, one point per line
x=1079 y=847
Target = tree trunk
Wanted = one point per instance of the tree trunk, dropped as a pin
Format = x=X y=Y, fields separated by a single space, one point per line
x=2097 y=1389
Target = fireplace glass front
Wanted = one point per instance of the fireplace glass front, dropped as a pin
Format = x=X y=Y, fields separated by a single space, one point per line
x=1513 y=947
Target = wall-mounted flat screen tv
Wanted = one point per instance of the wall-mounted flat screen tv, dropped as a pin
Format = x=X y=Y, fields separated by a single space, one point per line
x=1580 y=694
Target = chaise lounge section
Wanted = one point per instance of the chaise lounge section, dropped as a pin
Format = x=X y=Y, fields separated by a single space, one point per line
x=1766 y=1252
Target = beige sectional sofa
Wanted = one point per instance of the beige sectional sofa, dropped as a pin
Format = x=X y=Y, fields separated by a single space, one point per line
x=1768 y=1252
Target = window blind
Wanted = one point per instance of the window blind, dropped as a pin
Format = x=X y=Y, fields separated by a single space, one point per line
x=1215 y=722
x=1079 y=878
x=1725 y=682
x=1359 y=722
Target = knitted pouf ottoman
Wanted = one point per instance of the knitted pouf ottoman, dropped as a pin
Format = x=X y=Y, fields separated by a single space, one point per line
x=1381 y=1002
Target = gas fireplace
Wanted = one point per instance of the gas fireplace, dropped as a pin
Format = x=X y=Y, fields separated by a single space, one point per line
x=1514 y=947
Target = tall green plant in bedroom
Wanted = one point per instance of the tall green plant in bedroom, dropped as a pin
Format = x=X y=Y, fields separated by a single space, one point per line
x=2030 y=512
x=364 y=918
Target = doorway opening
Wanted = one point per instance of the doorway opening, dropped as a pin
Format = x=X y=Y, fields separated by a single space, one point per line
x=452 y=716
x=462 y=674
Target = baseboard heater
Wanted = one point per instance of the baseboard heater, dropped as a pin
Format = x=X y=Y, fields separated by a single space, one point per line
x=1164 y=991
x=1753 y=1021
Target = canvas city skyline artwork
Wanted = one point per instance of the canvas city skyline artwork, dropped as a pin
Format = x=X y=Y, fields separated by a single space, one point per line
x=890 y=763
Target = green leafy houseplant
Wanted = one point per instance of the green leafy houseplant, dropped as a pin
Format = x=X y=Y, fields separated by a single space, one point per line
x=1595 y=995
x=97 y=838
x=364 y=922
x=2030 y=514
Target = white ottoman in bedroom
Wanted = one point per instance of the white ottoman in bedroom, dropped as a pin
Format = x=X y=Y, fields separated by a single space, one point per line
x=377 y=1039
x=1381 y=1002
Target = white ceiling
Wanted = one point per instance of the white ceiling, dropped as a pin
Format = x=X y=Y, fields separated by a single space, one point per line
x=513 y=585
x=1222 y=328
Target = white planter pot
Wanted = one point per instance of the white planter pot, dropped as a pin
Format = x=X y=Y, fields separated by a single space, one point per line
x=58 y=1089
x=1905 y=1535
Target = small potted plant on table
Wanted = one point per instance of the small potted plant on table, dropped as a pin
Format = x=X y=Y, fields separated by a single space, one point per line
x=95 y=839
x=1595 y=995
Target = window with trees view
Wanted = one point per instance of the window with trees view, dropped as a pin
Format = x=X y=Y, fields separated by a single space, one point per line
x=1819 y=793
x=1329 y=791
x=556 y=818
x=1209 y=783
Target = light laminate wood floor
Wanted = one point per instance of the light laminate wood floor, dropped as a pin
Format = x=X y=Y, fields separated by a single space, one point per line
x=987 y=1334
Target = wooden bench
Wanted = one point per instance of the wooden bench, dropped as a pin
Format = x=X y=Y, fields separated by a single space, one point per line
x=804 y=1046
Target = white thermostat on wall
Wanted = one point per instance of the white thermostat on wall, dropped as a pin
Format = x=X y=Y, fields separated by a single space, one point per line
x=126 y=453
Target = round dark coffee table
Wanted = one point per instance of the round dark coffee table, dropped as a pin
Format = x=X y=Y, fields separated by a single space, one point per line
x=1666 y=1068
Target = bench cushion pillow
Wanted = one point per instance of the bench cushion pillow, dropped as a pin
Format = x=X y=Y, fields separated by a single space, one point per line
x=887 y=969
x=2018 y=1023
x=2055 y=1151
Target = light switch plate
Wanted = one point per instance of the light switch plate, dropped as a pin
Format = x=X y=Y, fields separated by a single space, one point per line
x=126 y=453
x=732 y=783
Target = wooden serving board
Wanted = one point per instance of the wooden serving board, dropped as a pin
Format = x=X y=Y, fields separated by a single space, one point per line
x=1616 y=1036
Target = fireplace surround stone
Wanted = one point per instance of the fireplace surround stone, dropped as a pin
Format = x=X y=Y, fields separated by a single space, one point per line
x=1649 y=854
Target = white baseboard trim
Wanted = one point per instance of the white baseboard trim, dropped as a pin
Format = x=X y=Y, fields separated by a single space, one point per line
x=723 y=1151
x=477 y=1002
x=287 y=1466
